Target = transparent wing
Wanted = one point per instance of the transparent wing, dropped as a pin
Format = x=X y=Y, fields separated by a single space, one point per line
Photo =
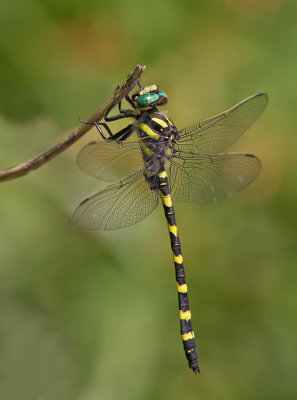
x=110 y=161
x=217 y=133
x=117 y=206
x=208 y=179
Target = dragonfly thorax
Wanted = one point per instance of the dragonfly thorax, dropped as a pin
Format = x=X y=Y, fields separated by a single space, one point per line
x=157 y=137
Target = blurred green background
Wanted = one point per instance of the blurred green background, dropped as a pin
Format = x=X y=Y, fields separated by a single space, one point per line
x=94 y=316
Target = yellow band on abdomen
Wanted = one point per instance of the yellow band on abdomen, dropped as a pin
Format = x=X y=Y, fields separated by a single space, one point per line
x=173 y=229
x=178 y=259
x=187 y=336
x=182 y=288
x=166 y=200
x=185 y=315
x=162 y=174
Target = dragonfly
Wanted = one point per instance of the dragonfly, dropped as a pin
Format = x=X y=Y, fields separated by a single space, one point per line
x=168 y=165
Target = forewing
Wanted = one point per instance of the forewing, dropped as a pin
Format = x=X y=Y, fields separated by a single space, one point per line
x=217 y=133
x=209 y=179
x=117 y=206
x=110 y=161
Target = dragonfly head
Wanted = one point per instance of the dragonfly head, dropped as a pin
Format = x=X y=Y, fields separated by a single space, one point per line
x=149 y=97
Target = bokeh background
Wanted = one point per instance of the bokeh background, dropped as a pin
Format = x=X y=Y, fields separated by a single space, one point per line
x=88 y=316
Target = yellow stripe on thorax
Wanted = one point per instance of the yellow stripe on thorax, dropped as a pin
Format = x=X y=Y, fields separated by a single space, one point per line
x=178 y=259
x=146 y=129
x=187 y=336
x=182 y=288
x=160 y=122
x=185 y=315
x=145 y=149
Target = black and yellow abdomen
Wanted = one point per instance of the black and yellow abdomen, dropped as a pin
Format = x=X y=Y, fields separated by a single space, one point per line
x=187 y=332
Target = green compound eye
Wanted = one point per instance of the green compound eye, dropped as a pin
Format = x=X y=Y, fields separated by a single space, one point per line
x=147 y=99
x=161 y=93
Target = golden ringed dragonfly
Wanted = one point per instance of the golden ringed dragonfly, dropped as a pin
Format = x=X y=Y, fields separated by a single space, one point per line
x=166 y=164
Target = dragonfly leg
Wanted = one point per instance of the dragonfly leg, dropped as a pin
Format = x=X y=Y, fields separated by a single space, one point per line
x=122 y=113
x=97 y=125
x=130 y=101
x=123 y=134
x=99 y=129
